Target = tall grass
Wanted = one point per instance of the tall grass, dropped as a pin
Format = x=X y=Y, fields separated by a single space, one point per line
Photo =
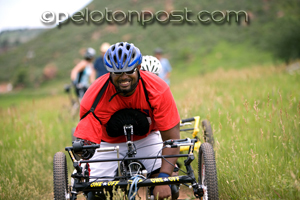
x=31 y=132
x=254 y=114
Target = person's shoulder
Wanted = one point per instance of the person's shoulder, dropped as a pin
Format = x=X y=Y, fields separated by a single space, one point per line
x=153 y=82
x=80 y=66
x=164 y=60
x=83 y=62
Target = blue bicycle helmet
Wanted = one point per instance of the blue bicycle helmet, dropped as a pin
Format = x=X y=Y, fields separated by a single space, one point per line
x=122 y=57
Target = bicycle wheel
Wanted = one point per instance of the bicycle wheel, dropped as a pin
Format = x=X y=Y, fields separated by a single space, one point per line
x=208 y=134
x=60 y=177
x=207 y=172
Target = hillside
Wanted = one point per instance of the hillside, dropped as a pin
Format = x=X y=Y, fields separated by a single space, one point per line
x=13 y=38
x=192 y=47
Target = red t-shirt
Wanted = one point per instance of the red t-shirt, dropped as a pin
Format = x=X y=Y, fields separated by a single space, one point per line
x=164 y=115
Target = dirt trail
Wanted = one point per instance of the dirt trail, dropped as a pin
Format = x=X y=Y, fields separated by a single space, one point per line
x=185 y=193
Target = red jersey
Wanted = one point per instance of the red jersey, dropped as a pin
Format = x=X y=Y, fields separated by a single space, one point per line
x=164 y=114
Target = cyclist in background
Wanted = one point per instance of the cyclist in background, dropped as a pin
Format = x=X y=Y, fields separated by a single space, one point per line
x=99 y=64
x=151 y=64
x=83 y=74
x=166 y=67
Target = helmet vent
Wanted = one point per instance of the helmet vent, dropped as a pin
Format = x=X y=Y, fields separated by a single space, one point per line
x=120 y=53
x=128 y=47
x=113 y=47
x=125 y=58
x=133 y=55
x=108 y=58
x=115 y=59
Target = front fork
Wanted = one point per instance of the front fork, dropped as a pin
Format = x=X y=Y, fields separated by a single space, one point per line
x=197 y=188
x=76 y=176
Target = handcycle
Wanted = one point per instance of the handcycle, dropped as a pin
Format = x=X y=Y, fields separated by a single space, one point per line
x=79 y=91
x=75 y=100
x=207 y=131
x=132 y=175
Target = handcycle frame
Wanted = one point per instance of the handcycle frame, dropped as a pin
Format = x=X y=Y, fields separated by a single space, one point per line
x=123 y=183
x=68 y=89
x=81 y=179
x=195 y=130
x=207 y=132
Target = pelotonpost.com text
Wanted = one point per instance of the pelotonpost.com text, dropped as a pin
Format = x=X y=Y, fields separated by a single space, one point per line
x=144 y=17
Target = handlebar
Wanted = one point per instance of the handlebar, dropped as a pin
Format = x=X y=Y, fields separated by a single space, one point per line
x=175 y=143
x=79 y=147
x=196 y=121
x=188 y=120
x=180 y=142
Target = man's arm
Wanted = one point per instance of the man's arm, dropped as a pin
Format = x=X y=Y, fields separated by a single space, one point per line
x=164 y=191
x=173 y=133
x=93 y=74
x=78 y=68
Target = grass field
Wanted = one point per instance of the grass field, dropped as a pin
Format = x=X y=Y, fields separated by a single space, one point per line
x=254 y=112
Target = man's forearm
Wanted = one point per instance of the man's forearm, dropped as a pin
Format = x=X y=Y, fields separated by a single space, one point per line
x=165 y=166
x=173 y=133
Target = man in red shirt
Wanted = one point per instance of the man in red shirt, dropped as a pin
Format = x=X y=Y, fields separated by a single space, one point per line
x=128 y=90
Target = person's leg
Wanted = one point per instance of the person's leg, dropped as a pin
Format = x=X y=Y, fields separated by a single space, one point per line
x=150 y=146
x=104 y=169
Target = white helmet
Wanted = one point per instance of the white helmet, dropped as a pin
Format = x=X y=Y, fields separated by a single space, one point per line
x=151 y=64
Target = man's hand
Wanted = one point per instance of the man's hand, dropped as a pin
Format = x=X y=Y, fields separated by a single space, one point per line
x=162 y=191
x=83 y=153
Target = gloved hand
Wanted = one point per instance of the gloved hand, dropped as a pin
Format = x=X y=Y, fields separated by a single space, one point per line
x=83 y=153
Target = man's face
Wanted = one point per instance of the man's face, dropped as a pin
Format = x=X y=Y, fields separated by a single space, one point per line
x=125 y=82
